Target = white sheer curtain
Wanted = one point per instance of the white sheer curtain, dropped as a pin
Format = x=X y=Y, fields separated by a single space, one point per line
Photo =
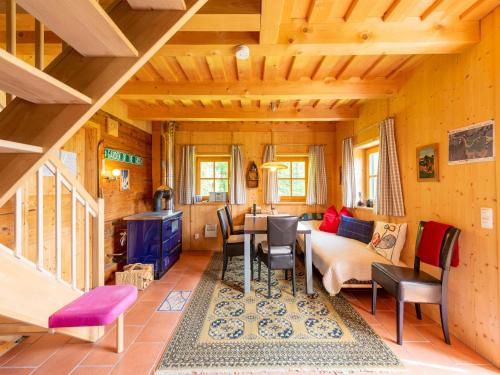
x=317 y=184
x=389 y=194
x=348 y=180
x=187 y=178
x=270 y=177
x=237 y=184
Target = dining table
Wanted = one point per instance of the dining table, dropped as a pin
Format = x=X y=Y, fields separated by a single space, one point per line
x=257 y=224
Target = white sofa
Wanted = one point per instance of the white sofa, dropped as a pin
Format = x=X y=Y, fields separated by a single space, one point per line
x=341 y=260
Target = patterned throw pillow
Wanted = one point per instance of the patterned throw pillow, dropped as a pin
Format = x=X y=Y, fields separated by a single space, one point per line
x=388 y=240
x=356 y=229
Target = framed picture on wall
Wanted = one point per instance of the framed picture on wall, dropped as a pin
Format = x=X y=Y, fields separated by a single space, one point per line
x=472 y=144
x=125 y=182
x=428 y=163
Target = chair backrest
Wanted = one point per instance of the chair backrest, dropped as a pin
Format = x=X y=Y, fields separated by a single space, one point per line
x=447 y=246
x=229 y=217
x=223 y=223
x=282 y=230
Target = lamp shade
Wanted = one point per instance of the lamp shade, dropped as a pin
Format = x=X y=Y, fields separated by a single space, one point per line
x=274 y=165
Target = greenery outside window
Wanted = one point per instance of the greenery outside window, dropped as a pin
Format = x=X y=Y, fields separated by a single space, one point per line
x=292 y=182
x=371 y=167
x=212 y=175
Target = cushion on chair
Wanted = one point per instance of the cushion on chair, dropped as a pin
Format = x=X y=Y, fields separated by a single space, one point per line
x=236 y=238
x=388 y=240
x=275 y=249
x=356 y=229
x=406 y=284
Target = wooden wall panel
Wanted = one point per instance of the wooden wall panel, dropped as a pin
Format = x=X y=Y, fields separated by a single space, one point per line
x=445 y=93
x=138 y=198
x=216 y=138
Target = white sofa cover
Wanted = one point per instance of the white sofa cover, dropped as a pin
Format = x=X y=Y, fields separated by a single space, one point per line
x=340 y=259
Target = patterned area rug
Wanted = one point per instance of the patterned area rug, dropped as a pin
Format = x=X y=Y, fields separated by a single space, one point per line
x=225 y=331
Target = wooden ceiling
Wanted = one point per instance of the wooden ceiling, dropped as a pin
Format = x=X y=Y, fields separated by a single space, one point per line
x=309 y=59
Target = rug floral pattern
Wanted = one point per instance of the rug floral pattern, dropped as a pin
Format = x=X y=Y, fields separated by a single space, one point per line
x=224 y=330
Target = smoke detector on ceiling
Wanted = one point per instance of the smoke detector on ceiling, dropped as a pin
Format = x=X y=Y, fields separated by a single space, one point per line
x=242 y=52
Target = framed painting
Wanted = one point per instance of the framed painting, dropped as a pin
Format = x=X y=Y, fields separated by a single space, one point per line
x=125 y=180
x=472 y=144
x=428 y=163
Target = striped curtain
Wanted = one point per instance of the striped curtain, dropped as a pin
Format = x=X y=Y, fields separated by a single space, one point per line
x=237 y=183
x=317 y=185
x=389 y=194
x=270 y=178
x=187 y=178
x=348 y=181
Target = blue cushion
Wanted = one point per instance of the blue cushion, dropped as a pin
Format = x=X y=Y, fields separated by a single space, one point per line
x=356 y=229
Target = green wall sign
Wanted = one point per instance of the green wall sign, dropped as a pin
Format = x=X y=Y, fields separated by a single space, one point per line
x=110 y=154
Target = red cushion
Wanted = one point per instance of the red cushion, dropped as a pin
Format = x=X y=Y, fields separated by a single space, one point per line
x=329 y=223
x=331 y=219
x=345 y=212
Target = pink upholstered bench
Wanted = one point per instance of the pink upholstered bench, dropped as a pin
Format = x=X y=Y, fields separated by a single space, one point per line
x=98 y=307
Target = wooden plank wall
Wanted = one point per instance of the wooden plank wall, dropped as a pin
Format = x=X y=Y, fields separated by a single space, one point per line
x=445 y=93
x=252 y=136
x=138 y=198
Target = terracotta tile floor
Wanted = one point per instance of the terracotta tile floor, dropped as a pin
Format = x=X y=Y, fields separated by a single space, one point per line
x=147 y=332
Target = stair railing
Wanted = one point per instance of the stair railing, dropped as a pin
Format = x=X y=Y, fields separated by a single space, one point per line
x=93 y=234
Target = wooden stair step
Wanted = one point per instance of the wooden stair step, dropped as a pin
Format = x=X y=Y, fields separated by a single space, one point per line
x=9 y=147
x=83 y=24
x=158 y=4
x=25 y=81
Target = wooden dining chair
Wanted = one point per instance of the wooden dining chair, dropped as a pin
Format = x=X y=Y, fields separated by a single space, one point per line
x=278 y=252
x=235 y=229
x=233 y=245
x=413 y=285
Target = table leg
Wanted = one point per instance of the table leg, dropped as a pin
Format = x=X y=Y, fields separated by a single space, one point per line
x=308 y=260
x=247 y=263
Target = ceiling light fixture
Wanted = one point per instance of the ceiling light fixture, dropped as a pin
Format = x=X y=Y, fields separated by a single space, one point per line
x=242 y=52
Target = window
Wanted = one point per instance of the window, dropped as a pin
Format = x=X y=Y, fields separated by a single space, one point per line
x=212 y=175
x=292 y=182
x=371 y=167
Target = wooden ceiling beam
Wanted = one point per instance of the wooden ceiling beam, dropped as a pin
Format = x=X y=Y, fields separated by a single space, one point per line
x=314 y=49
x=236 y=113
x=272 y=12
x=384 y=35
x=257 y=90
x=410 y=37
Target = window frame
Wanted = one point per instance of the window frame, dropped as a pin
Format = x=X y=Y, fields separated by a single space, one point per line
x=296 y=158
x=213 y=159
x=369 y=151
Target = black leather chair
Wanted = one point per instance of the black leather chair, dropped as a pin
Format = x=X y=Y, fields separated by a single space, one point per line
x=412 y=285
x=235 y=229
x=278 y=252
x=233 y=245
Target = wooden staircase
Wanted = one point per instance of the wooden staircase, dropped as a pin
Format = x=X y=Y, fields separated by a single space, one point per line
x=96 y=77
x=104 y=50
